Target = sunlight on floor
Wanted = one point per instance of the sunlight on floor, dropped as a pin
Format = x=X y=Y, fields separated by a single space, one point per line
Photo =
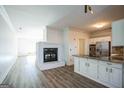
x=31 y=59
x=28 y=59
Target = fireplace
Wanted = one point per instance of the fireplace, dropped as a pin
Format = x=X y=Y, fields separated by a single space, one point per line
x=50 y=54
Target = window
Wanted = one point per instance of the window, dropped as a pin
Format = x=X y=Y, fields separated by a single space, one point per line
x=27 y=39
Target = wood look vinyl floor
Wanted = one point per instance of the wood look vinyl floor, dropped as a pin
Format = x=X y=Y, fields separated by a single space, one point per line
x=24 y=74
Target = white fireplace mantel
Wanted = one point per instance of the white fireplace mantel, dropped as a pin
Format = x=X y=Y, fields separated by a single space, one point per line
x=48 y=65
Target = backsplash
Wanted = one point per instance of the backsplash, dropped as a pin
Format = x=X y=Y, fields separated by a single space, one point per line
x=118 y=52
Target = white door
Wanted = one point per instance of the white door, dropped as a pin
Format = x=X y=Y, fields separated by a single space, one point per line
x=83 y=66
x=76 y=65
x=92 y=68
x=116 y=77
x=103 y=73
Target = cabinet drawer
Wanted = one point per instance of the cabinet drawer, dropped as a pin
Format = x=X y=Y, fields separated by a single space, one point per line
x=103 y=63
x=93 y=61
x=114 y=65
x=83 y=59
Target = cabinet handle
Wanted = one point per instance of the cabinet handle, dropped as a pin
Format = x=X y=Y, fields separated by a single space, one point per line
x=88 y=64
x=106 y=69
x=109 y=63
x=111 y=70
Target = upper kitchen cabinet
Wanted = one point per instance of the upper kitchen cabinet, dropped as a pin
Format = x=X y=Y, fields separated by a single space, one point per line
x=118 y=33
x=99 y=39
x=100 y=36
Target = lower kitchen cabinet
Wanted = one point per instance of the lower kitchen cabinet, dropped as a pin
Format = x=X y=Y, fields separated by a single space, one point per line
x=107 y=73
x=116 y=77
x=110 y=74
x=92 y=68
x=88 y=67
x=76 y=65
x=83 y=66
x=103 y=73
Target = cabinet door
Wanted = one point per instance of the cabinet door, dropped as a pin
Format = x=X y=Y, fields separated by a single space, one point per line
x=76 y=65
x=83 y=66
x=118 y=33
x=103 y=73
x=92 y=68
x=116 y=77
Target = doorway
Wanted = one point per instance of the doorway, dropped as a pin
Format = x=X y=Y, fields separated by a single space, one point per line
x=81 y=46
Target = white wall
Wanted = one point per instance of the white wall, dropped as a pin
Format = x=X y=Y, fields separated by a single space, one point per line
x=8 y=47
x=66 y=44
x=71 y=43
x=54 y=35
x=80 y=34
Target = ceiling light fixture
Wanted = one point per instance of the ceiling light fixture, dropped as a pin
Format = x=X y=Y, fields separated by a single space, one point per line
x=99 y=25
x=88 y=8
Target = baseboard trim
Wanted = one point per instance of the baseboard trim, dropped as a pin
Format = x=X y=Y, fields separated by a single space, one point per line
x=6 y=72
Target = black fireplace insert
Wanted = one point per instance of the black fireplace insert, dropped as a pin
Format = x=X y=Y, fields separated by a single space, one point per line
x=50 y=54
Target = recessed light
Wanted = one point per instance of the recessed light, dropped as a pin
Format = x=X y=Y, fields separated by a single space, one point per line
x=98 y=25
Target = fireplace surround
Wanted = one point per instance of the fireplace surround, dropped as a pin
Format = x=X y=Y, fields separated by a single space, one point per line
x=49 y=55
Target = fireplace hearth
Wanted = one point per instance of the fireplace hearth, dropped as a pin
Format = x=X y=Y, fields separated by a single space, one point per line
x=50 y=54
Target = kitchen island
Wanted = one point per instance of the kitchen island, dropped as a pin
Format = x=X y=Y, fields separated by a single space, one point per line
x=104 y=70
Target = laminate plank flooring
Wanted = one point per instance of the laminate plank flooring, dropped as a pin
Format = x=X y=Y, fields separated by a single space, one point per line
x=24 y=74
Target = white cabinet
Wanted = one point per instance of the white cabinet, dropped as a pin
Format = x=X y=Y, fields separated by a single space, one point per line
x=92 y=68
x=103 y=73
x=99 y=39
x=110 y=74
x=88 y=67
x=118 y=33
x=116 y=77
x=107 y=73
x=76 y=65
x=83 y=66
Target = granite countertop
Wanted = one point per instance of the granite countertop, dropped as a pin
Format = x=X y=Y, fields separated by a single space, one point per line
x=109 y=59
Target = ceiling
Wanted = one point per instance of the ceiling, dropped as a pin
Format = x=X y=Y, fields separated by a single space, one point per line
x=86 y=22
x=60 y=16
x=33 y=16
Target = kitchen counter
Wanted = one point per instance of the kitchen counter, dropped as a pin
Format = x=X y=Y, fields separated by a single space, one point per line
x=109 y=59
